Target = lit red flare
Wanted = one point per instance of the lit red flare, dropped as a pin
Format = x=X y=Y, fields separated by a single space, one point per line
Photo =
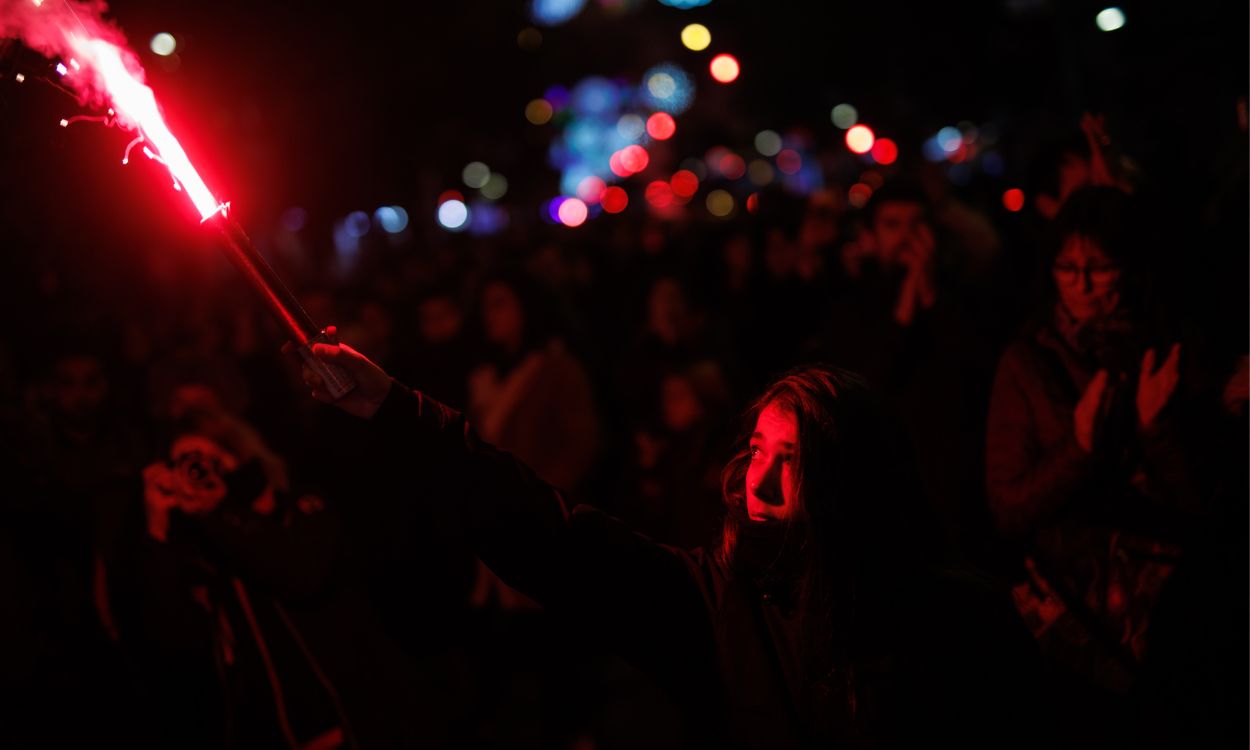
x=135 y=105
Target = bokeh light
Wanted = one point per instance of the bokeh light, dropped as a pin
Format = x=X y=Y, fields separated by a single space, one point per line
x=591 y=190
x=488 y=218
x=555 y=12
x=1110 y=19
x=696 y=37
x=475 y=174
x=1013 y=199
x=630 y=127
x=634 y=158
x=844 y=116
x=858 y=195
x=393 y=219
x=767 y=142
x=357 y=224
x=667 y=88
x=684 y=183
x=453 y=214
x=950 y=139
x=753 y=203
x=684 y=4
x=859 y=139
x=732 y=166
x=724 y=68
x=789 y=161
x=615 y=199
x=760 y=172
x=594 y=96
x=884 y=151
x=538 y=111
x=572 y=212
x=720 y=203
x=496 y=187
x=659 y=194
x=661 y=126
x=164 y=44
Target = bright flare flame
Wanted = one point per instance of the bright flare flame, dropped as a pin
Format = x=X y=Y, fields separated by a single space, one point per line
x=136 y=105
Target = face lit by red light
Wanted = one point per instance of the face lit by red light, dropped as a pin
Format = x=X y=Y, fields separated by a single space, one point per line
x=1087 y=280
x=896 y=224
x=772 y=491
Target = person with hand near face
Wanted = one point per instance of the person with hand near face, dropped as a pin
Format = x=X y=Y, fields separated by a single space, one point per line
x=1086 y=471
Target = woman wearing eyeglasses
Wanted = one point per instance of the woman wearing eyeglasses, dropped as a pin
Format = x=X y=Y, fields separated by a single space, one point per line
x=1084 y=465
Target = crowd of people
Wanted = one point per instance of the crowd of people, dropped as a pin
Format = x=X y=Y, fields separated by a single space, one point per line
x=194 y=553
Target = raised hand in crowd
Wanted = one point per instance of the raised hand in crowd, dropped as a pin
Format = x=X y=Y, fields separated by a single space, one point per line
x=1155 y=387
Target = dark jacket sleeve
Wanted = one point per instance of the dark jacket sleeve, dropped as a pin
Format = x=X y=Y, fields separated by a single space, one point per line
x=1025 y=481
x=581 y=562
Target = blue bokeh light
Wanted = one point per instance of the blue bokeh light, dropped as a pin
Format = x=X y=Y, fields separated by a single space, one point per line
x=555 y=12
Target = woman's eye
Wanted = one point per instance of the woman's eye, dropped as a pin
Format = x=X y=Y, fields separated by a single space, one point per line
x=753 y=451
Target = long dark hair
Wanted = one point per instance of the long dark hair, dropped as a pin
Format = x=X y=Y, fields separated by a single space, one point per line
x=864 y=531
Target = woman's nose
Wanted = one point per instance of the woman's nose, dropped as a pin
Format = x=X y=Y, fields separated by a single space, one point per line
x=768 y=488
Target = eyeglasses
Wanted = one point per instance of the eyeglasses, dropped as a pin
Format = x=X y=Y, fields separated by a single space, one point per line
x=1066 y=273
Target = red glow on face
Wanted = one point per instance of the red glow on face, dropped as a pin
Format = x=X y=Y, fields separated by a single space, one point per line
x=635 y=158
x=732 y=166
x=572 y=213
x=860 y=138
x=450 y=195
x=136 y=105
x=684 y=183
x=884 y=151
x=591 y=190
x=724 y=68
x=661 y=126
x=1013 y=199
x=659 y=194
x=789 y=161
x=615 y=200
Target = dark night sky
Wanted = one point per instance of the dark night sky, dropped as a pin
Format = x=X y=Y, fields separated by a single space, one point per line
x=346 y=106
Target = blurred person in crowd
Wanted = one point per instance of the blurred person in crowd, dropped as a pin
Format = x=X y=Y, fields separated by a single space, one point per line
x=226 y=592
x=531 y=395
x=69 y=458
x=439 y=352
x=901 y=322
x=675 y=495
x=1087 y=466
x=815 y=619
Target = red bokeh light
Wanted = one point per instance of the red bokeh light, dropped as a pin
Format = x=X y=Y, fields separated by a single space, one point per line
x=884 y=151
x=450 y=195
x=724 y=68
x=732 y=166
x=789 y=161
x=859 y=194
x=634 y=158
x=684 y=183
x=661 y=126
x=618 y=169
x=1013 y=199
x=753 y=203
x=615 y=200
x=860 y=138
x=659 y=194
